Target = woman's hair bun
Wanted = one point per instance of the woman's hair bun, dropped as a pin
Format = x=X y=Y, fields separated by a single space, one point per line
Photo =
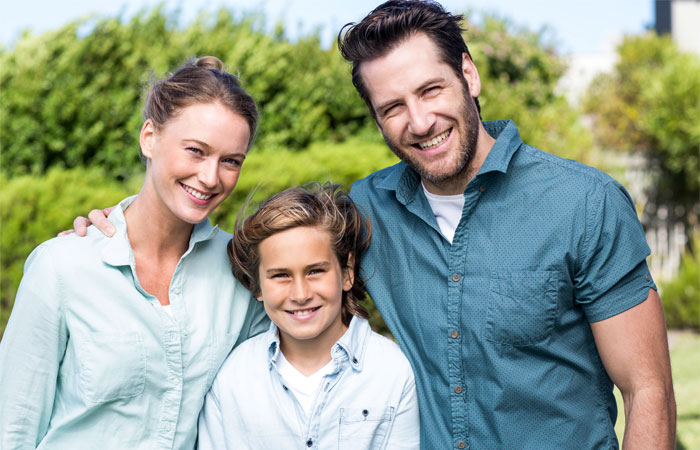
x=210 y=62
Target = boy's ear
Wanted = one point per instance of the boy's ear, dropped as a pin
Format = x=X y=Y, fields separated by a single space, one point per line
x=349 y=273
x=258 y=295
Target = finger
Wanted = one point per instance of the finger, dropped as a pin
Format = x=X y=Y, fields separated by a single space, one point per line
x=80 y=225
x=98 y=218
x=65 y=233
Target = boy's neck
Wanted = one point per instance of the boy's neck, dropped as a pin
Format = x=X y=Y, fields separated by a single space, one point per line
x=308 y=356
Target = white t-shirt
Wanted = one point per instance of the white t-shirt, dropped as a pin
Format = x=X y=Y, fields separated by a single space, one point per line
x=304 y=388
x=447 y=210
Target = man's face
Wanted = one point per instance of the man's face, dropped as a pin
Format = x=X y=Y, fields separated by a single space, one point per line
x=424 y=110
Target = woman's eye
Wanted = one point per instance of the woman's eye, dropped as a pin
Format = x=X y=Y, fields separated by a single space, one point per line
x=194 y=150
x=232 y=162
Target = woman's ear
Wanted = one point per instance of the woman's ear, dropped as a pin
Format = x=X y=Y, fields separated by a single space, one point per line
x=349 y=273
x=146 y=138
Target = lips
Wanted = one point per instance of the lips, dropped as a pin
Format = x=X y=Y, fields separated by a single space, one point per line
x=197 y=196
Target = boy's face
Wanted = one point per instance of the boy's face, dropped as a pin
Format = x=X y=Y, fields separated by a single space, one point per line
x=301 y=286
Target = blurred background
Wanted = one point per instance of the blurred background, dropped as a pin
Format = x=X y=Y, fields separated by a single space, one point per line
x=615 y=85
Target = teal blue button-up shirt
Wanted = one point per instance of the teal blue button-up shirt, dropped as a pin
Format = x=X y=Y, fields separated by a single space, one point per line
x=90 y=360
x=496 y=324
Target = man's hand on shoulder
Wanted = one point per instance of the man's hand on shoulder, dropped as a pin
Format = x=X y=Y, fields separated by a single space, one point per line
x=97 y=217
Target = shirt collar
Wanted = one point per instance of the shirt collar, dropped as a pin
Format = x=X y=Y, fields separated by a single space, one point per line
x=117 y=251
x=405 y=181
x=350 y=347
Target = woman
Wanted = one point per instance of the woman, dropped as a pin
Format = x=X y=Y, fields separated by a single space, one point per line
x=319 y=378
x=113 y=342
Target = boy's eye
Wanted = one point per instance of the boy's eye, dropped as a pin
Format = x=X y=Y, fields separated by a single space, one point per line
x=315 y=271
x=279 y=275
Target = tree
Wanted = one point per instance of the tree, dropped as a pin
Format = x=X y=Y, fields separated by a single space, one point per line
x=651 y=103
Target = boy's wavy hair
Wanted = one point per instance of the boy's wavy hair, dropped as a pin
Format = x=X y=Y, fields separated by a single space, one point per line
x=312 y=205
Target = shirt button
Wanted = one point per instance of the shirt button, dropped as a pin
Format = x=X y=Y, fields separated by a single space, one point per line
x=646 y=277
x=176 y=381
x=458 y=389
x=454 y=334
x=309 y=443
x=455 y=277
x=482 y=188
x=462 y=444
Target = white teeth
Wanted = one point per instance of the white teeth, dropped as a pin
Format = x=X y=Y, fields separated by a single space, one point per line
x=197 y=194
x=430 y=143
x=303 y=312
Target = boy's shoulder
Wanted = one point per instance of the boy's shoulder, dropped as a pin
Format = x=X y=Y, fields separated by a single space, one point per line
x=247 y=358
x=383 y=354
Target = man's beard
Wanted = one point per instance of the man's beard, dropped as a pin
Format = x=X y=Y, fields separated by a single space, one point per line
x=468 y=130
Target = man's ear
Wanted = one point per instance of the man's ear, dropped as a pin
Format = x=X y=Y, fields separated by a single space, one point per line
x=146 y=138
x=349 y=273
x=470 y=74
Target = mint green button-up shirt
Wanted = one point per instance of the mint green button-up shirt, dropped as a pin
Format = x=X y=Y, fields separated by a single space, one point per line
x=91 y=360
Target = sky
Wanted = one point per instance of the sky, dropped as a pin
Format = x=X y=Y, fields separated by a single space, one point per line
x=575 y=26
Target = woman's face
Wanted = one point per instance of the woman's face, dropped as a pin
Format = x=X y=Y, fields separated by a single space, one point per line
x=194 y=160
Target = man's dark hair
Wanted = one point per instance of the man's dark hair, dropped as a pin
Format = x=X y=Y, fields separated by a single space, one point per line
x=391 y=23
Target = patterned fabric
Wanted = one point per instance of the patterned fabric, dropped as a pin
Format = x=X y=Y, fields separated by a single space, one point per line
x=89 y=360
x=496 y=324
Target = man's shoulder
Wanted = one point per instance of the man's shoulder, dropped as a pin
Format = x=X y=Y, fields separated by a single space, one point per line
x=568 y=170
x=383 y=177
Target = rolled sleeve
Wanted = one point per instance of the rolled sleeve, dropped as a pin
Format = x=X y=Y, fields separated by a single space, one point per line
x=612 y=274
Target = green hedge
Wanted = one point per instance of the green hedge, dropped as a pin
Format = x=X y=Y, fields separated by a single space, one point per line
x=35 y=208
x=73 y=96
x=681 y=296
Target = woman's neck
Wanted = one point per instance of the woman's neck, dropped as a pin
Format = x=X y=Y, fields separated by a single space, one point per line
x=153 y=230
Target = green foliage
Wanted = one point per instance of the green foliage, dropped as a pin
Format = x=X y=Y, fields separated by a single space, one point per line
x=33 y=209
x=681 y=296
x=75 y=100
x=651 y=103
x=519 y=74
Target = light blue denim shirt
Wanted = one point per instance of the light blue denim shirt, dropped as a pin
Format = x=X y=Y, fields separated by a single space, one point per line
x=368 y=401
x=90 y=360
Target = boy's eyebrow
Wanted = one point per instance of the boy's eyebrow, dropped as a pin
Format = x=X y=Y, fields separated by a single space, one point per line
x=322 y=264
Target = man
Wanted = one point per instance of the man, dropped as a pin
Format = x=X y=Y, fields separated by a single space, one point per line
x=514 y=281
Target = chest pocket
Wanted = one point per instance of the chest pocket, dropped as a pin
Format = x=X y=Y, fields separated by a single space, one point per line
x=112 y=366
x=522 y=307
x=364 y=429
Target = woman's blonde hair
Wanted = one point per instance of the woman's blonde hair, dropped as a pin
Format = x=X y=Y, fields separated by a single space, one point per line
x=312 y=205
x=199 y=80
